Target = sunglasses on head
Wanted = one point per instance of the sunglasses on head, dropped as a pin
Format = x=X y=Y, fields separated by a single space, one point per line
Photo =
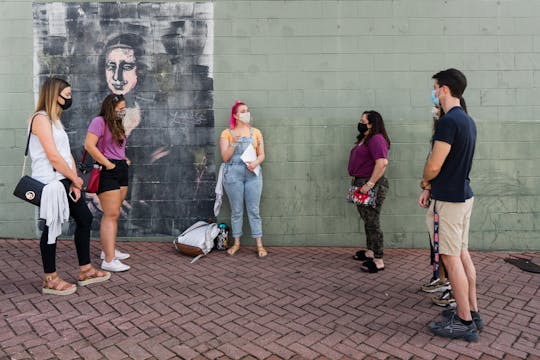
x=118 y=98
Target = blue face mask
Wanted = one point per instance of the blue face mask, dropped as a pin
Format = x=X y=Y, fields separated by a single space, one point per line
x=434 y=99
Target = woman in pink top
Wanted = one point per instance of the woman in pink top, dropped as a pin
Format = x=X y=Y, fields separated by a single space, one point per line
x=367 y=164
x=106 y=143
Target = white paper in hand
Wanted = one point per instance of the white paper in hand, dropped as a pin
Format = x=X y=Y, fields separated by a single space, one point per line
x=251 y=155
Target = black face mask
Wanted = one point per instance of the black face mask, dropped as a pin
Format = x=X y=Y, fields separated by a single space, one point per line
x=362 y=128
x=67 y=103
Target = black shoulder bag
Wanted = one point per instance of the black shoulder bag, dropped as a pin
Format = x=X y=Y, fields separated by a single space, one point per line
x=28 y=188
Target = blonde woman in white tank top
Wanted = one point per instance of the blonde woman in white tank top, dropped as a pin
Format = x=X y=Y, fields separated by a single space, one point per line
x=52 y=161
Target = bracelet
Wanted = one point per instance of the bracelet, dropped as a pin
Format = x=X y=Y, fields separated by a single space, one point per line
x=370 y=184
x=427 y=187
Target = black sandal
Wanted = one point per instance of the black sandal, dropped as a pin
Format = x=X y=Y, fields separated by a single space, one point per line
x=361 y=256
x=371 y=267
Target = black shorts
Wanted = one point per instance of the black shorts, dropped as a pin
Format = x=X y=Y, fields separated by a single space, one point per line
x=115 y=178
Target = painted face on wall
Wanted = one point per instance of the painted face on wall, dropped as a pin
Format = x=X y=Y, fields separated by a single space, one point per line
x=121 y=70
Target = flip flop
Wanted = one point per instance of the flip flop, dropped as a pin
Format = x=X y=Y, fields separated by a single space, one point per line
x=361 y=256
x=371 y=267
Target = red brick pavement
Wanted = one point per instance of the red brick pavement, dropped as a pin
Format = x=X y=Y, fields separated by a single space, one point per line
x=299 y=303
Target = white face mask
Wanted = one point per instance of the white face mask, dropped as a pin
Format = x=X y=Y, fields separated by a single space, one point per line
x=435 y=113
x=244 y=117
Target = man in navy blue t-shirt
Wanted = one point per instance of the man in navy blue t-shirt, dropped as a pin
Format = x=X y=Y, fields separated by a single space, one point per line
x=446 y=183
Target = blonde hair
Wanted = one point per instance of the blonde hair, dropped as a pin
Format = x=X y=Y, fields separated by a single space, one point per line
x=48 y=97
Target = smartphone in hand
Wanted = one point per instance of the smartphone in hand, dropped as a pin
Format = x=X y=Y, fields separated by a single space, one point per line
x=72 y=196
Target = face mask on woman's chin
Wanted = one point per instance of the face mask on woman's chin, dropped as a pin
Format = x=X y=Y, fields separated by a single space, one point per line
x=245 y=117
x=435 y=113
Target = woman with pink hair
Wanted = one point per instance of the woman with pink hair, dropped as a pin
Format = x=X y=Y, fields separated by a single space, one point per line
x=242 y=178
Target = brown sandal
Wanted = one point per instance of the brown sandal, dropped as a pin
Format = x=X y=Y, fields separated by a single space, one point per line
x=54 y=285
x=233 y=249
x=261 y=251
x=92 y=275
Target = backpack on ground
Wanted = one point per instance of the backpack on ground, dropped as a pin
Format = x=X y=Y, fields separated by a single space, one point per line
x=197 y=240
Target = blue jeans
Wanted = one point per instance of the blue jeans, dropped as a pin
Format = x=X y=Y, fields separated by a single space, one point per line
x=241 y=184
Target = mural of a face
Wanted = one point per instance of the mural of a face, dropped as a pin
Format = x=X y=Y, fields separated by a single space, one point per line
x=144 y=51
x=121 y=70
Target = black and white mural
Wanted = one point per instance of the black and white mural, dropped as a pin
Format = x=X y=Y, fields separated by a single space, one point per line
x=159 y=55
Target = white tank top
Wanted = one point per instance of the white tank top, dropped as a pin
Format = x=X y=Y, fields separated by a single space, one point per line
x=42 y=170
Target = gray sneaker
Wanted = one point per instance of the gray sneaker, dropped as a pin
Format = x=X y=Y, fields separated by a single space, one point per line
x=435 y=285
x=453 y=328
x=447 y=313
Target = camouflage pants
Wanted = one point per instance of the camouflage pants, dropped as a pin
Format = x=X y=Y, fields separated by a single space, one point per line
x=371 y=217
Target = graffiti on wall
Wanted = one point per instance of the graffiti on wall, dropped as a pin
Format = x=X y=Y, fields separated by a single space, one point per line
x=159 y=56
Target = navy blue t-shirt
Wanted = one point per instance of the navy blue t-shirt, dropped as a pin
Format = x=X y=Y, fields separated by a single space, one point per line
x=456 y=128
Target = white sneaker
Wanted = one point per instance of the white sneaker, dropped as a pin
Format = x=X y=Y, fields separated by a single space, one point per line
x=117 y=255
x=114 y=266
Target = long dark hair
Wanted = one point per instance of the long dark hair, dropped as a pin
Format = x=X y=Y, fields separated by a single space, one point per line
x=112 y=121
x=377 y=127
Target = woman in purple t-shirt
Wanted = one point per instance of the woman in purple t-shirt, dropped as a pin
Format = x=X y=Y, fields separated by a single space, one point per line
x=367 y=163
x=106 y=143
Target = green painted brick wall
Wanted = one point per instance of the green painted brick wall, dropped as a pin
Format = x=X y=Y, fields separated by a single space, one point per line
x=308 y=69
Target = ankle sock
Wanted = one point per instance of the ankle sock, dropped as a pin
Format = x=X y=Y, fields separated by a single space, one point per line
x=465 y=322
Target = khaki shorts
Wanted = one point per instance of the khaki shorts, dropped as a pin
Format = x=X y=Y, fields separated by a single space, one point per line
x=454 y=221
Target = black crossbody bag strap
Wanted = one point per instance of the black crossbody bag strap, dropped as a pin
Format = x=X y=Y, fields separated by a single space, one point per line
x=27 y=143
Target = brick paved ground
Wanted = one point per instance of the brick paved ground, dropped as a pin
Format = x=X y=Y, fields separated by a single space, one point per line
x=310 y=303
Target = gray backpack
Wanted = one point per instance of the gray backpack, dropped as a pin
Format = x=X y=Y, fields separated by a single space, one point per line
x=197 y=240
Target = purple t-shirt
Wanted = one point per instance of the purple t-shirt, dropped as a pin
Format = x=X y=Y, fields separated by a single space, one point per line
x=112 y=151
x=362 y=158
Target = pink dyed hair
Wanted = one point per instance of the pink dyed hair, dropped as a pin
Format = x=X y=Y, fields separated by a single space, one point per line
x=234 y=110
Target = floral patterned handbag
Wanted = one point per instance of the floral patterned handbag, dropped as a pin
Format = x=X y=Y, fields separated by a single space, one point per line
x=356 y=197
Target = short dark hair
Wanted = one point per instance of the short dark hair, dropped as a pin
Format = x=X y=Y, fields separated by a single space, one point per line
x=454 y=79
